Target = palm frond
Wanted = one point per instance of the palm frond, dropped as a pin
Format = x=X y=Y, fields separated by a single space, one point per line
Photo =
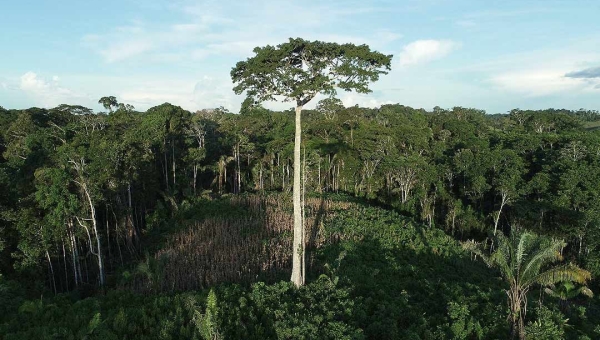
x=567 y=290
x=523 y=241
x=552 y=292
x=503 y=256
x=586 y=291
x=567 y=272
x=546 y=253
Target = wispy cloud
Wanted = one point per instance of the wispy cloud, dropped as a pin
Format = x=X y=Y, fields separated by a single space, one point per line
x=133 y=40
x=125 y=50
x=466 y=23
x=423 y=51
x=207 y=29
x=540 y=73
x=209 y=32
x=47 y=93
x=516 y=12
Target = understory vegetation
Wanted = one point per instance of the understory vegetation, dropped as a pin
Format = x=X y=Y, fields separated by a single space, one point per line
x=167 y=224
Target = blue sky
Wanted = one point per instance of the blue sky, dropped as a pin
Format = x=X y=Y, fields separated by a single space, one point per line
x=492 y=55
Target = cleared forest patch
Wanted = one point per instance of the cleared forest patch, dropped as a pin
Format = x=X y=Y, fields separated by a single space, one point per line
x=253 y=243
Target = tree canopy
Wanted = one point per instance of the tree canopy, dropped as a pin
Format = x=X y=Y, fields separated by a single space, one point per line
x=298 y=70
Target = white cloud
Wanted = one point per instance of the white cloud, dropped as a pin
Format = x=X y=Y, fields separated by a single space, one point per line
x=47 y=93
x=207 y=29
x=351 y=99
x=541 y=73
x=209 y=92
x=537 y=82
x=122 y=43
x=206 y=33
x=422 y=51
x=125 y=50
x=144 y=95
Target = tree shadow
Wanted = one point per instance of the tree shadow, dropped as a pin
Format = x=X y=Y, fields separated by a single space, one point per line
x=401 y=291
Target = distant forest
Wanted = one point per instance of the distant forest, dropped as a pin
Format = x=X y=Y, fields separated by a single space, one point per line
x=86 y=197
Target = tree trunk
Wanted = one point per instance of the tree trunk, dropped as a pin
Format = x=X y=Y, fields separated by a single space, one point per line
x=195 y=177
x=297 y=244
x=272 y=171
x=337 y=179
x=75 y=254
x=521 y=328
x=51 y=271
x=173 y=156
x=132 y=222
x=95 y=228
x=502 y=204
x=239 y=169
x=515 y=302
x=260 y=176
x=108 y=239
x=319 y=186
x=303 y=214
x=65 y=262
x=166 y=164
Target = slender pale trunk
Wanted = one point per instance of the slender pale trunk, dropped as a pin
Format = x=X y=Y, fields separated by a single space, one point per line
x=502 y=204
x=173 y=154
x=75 y=255
x=303 y=214
x=195 y=177
x=166 y=164
x=65 y=262
x=272 y=171
x=51 y=271
x=132 y=220
x=297 y=244
x=337 y=179
x=319 y=186
x=260 y=176
x=239 y=176
x=235 y=170
x=95 y=228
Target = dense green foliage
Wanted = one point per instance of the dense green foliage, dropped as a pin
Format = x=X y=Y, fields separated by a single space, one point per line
x=84 y=194
x=299 y=69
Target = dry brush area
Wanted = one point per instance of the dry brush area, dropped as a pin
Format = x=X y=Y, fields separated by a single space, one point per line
x=242 y=248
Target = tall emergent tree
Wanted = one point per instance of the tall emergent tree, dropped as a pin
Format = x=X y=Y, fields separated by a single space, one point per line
x=524 y=260
x=298 y=70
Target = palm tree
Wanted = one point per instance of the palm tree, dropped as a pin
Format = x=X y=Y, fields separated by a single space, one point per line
x=566 y=291
x=524 y=260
